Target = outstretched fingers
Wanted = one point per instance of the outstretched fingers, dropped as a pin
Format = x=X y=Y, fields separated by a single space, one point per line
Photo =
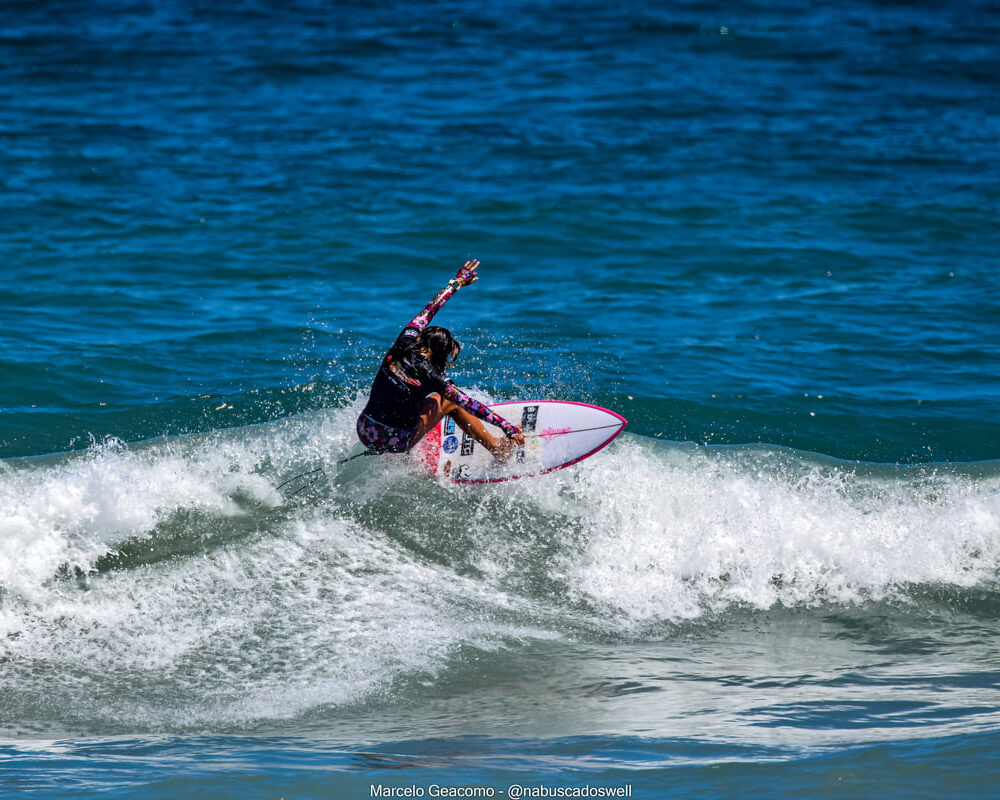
x=467 y=274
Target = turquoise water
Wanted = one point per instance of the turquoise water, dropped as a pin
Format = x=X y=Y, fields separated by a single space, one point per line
x=766 y=235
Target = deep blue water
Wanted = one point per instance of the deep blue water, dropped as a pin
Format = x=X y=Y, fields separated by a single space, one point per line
x=764 y=233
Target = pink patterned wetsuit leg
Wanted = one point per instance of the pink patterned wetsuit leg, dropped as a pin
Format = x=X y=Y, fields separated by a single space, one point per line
x=379 y=438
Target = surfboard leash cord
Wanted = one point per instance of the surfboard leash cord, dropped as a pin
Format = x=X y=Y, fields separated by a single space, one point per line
x=283 y=484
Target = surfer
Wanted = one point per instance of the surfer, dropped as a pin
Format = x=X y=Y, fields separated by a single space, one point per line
x=411 y=392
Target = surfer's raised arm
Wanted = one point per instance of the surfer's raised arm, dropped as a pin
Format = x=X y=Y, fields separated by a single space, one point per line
x=466 y=275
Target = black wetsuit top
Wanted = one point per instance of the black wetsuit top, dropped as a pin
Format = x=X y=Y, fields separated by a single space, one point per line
x=405 y=378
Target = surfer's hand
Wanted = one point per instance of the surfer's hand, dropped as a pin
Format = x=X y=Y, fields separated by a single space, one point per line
x=514 y=433
x=467 y=274
x=503 y=448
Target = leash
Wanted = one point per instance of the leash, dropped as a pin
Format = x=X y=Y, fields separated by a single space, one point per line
x=306 y=485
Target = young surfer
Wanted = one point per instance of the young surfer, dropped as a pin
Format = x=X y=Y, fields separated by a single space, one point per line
x=411 y=393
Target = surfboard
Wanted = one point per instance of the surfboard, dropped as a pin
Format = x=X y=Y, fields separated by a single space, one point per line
x=557 y=434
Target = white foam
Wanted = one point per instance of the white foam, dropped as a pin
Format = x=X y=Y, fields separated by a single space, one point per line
x=386 y=575
x=72 y=511
x=69 y=510
x=688 y=532
x=314 y=609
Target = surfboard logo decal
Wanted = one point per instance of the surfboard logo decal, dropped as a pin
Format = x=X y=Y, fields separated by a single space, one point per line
x=551 y=433
x=468 y=444
x=450 y=444
x=529 y=418
x=449 y=426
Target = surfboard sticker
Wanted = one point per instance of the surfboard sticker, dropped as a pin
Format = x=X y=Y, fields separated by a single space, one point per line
x=558 y=433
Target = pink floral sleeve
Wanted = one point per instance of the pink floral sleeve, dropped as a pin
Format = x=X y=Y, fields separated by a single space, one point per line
x=477 y=409
x=464 y=276
x=423 y=319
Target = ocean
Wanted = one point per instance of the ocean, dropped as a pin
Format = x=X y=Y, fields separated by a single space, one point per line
x=764 y=233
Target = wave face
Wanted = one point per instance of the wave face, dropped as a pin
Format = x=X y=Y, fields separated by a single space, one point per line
x=171 y=585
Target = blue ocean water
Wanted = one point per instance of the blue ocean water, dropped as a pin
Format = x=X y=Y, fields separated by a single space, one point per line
x=764 y=233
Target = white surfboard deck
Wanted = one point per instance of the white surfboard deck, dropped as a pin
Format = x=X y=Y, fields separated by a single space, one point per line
x=557 y=433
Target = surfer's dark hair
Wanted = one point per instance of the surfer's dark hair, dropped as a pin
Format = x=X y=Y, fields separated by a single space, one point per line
x=443 y=347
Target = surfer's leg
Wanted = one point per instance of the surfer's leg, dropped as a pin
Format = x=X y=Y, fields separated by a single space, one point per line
x=435 y=408
x=379 y=438
x=431 y=412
